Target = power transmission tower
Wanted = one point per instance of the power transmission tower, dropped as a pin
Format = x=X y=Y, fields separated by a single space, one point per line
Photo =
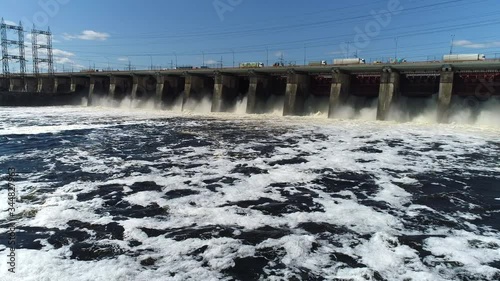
x=48 y=46
x=5 y=50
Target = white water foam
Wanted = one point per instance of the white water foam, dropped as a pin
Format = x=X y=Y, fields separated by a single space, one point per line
x=338 y=151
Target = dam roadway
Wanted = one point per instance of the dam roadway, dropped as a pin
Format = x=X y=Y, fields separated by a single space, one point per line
x=297 y=84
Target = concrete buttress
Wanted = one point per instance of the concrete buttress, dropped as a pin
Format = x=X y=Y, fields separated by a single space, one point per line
x=339 y=91
x=388 y=93
x=225 y=86
x=297 y=89
x=258 y=88
x=445 y=93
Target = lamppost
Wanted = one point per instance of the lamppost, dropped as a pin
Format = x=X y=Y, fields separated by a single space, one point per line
x=348 y=46
x=233 y=58
x=109 y=69
x=396 y=53
x=175 y=60
x=151 y=58
x=451 y=46
x=267 y=56
x=203 y=54
x=305 y=53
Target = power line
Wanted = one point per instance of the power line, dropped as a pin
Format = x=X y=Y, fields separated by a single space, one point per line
x=246 y=32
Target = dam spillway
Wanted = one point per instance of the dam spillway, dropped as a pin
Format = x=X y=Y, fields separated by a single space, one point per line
x=301 y=88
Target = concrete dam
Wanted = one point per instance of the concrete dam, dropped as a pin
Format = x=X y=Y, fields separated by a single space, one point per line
x=301 y=88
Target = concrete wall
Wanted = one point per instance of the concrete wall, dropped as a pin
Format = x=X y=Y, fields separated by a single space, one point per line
x=4 y=84
x=119 y=87
x=445 y=93
x=339 y=93
x=17 y=84
x=143 y=87
x=98 y=87
x=31 y=85
x=258 y=92
x=297 y=90
x=47 y=84
x=225 y=92
x=168 y=90
x=196 y=87
x=63 y=85
x=388 y=94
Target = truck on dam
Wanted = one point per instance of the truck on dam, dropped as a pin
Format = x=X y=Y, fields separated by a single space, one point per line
x=464 y=57
x=184 y=67
x=318 y=63
x=251 y=65
x=349 y=61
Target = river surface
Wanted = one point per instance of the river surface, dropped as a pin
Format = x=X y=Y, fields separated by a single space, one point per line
x=114 y=194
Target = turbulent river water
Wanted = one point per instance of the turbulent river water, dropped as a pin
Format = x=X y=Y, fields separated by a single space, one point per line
x=113 y=194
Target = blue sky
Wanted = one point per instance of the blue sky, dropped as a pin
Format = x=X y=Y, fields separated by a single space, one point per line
x=206 y=31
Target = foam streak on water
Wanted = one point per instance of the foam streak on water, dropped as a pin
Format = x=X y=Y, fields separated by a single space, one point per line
x=113 y=194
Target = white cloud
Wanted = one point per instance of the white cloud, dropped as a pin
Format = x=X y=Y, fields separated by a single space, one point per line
x=473 y=45
x=122 y=59
x=58 y=53
x=61 y=53
x=9 y=22
x=279 y=54
x=210 y=62
x=87 y=35
x=63 y=60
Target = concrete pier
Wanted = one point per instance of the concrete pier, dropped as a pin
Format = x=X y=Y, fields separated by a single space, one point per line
x=445 y=93
x=135 y=85
x=39 y=85
x=112 y=87
x=297 y=89
x=194 y=86
x=388 y=93
x=56 y=85
x=339 y=92
x=72 y=88
x=258 y=90
x=160 y=84
x=91 y=91
x=225 y=88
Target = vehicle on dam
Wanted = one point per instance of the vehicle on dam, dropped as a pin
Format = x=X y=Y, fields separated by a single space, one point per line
x=349 y=61
x=183 y=67
x=318 y=63
x=251 y=65
x=397 y=61
x=464 y=57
